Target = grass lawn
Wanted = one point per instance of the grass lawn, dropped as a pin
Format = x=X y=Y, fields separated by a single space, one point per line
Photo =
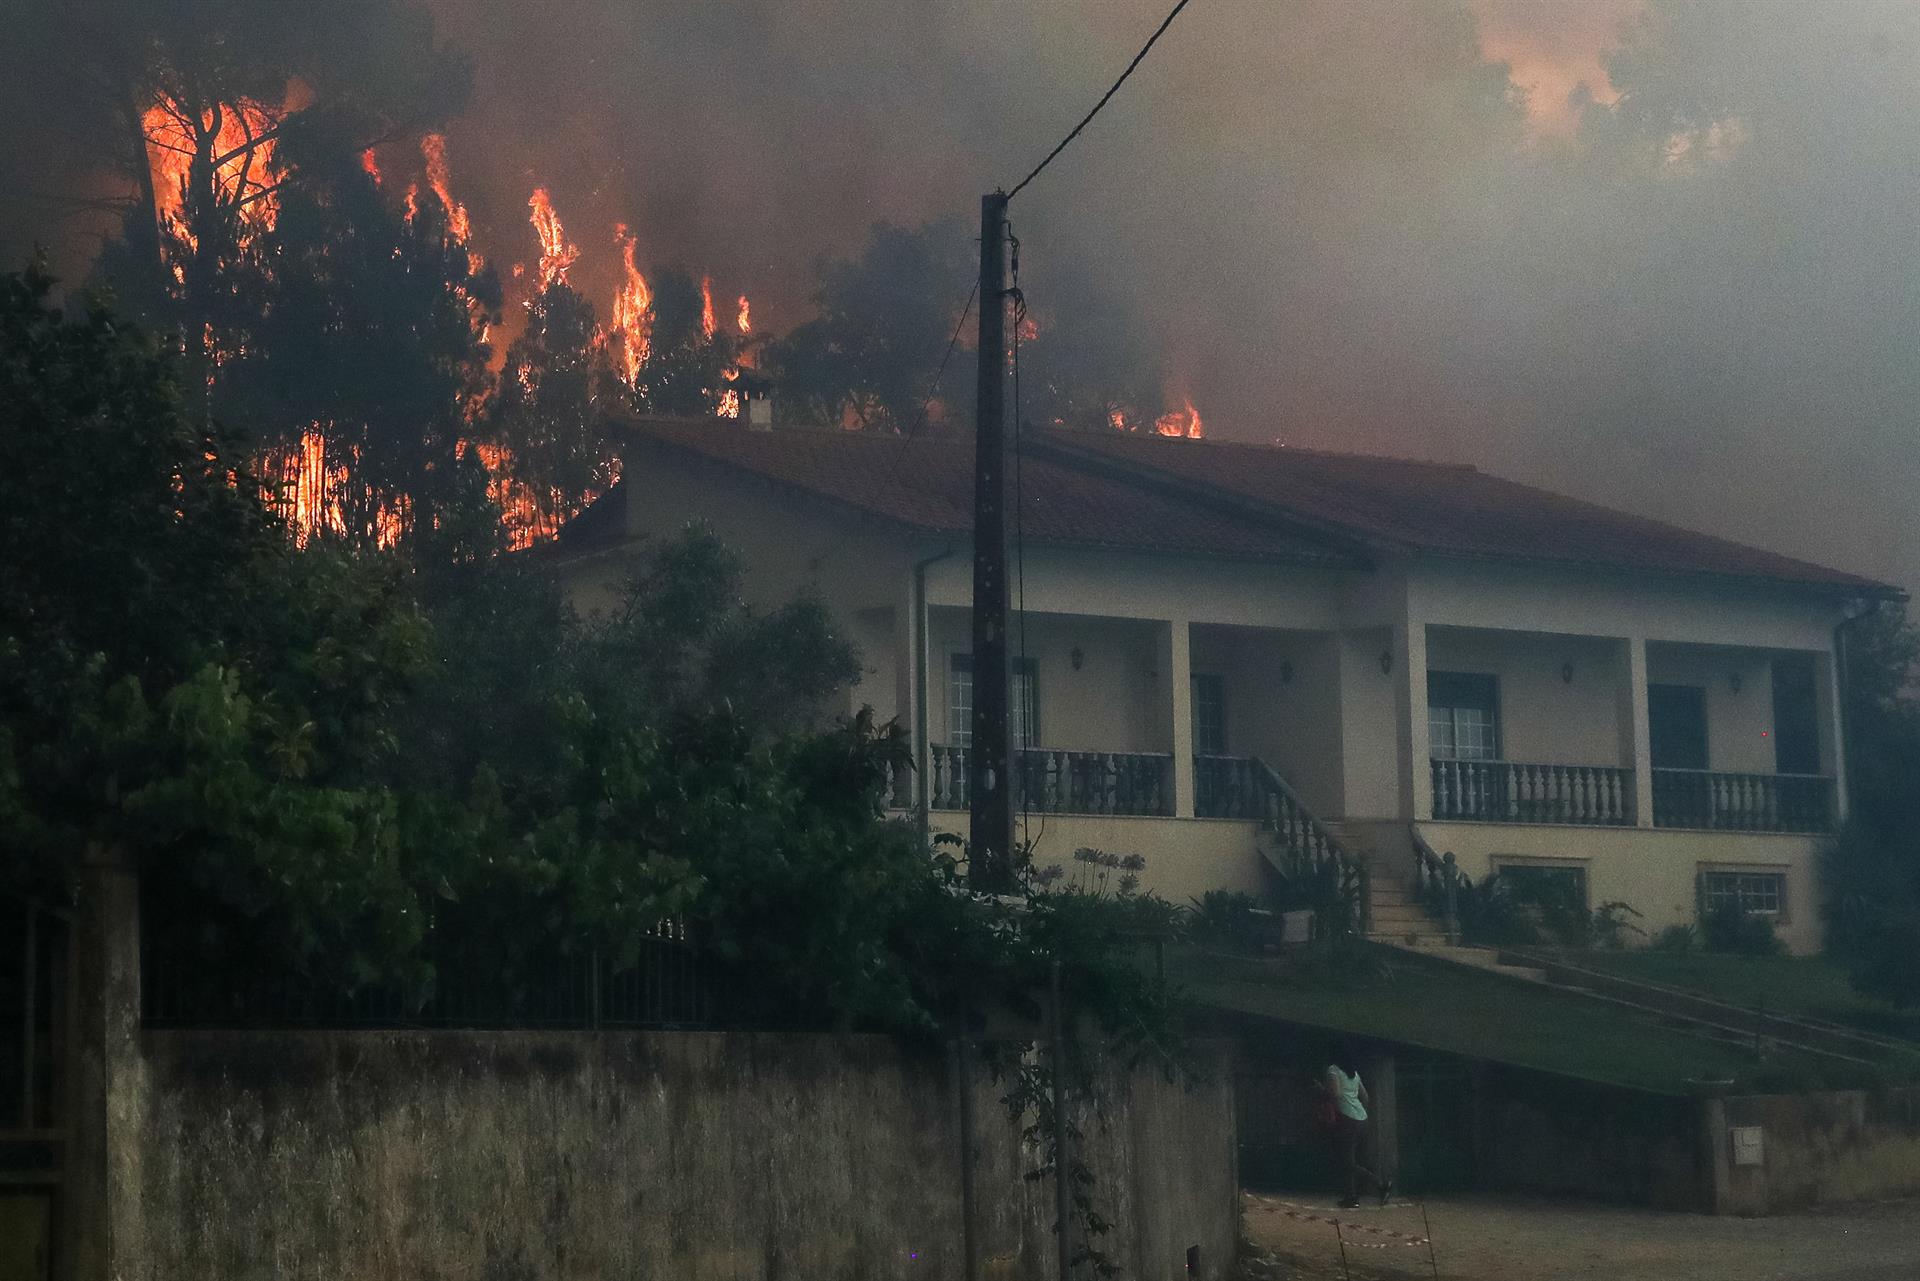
x=1485 y=1016
x=1809 y=987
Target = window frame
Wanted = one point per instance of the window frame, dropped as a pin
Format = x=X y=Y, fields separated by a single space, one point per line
x=1780 y=913
x=1576 y=867
x=1219 y=690
x=1452 y=693
x=1024 y=695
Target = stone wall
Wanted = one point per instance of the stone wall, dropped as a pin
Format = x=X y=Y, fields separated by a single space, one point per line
x=1813 y=1149
x=507 y=1156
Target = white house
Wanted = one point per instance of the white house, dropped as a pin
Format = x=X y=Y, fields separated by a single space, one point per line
x=1232 y=652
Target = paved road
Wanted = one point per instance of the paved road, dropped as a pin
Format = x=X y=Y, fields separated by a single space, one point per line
x=1487 y=1239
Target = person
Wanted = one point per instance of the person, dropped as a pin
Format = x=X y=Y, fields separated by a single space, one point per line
x=1348 y=1096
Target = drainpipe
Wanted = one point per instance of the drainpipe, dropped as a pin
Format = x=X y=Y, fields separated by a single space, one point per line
x=922 y=750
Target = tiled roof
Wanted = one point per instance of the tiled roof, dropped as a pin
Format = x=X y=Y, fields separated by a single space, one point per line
x=926 y=484
x=1146 y=493
x=1443 y=508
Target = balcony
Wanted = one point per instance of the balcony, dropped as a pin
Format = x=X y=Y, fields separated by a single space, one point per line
x=1706 y=800
x=1050 y=781
x=1521 y=792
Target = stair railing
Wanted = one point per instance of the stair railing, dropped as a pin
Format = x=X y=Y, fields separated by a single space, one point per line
x=1308 y=848
x=1437 y=881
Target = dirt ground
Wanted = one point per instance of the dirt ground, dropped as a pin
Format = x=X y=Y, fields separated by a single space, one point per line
x=1487 y=1239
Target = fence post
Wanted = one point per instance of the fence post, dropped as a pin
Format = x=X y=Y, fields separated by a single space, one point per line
x=1365 y=882
x=1450 y=880
x=100 y=1225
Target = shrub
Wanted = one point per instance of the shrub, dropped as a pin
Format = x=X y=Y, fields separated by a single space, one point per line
x=1675 y=938
x=1727 y=928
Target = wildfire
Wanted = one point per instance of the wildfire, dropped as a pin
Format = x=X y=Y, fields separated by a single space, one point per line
x=234 y=139
x=371 y=165
x=556 y=253
x=309 y=487
x=746 y=315
x=707 y=325
x=632 y=310
x=434 y=148
x=1181 y=422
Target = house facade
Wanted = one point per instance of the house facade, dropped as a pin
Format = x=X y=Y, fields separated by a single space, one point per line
x=1235 y=658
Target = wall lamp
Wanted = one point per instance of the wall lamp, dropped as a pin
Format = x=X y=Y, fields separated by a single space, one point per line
x=1077 y=657
x=1386 y=662
x=1566 y=673
x=1733 y=682
x=1286 y=671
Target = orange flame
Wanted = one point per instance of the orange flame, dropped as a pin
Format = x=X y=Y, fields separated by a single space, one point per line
x=371 y=164
x=729 y=406
x=413 y=201
x=632 y=304
x=707 y=325
x=240 y=163
x=1181 y=422
x=308 y=486
x=434 y=148
x=556 y=254
x=746 y=315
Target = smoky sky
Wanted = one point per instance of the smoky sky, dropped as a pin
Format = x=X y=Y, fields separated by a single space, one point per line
x=1689 y=288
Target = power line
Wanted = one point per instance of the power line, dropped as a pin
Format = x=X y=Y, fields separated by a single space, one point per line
x=1137 y=59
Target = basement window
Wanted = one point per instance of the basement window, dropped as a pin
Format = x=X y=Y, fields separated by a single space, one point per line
x=1764 y=893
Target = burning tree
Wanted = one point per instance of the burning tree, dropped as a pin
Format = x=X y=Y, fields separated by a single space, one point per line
x=544 y=430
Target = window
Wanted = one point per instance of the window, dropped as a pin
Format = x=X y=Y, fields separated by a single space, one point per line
x=1545 y=884
x=1764 y=892
x=1796 y=715
x=1677 y=726
x=1209 y=716
x=1024 y=693
x=1463 y=718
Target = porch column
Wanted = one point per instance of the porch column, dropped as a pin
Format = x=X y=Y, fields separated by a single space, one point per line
x=909 y=650
x=1176 y=660
x=1408 y=659
x=1833 y=748
x=1636 y=749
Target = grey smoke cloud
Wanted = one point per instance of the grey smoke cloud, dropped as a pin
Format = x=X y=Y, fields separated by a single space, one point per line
x=1333 y=217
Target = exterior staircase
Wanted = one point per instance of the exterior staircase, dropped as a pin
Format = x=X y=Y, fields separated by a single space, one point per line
x=1396 y=916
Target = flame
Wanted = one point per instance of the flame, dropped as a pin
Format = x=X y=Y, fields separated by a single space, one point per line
x=371 y=165
x=706 y=307
x=434 y=148
x=1181 y=422
x=528 y=514
x=632 y=310
x=746 y=315
x=308 y=485
x=412 y=203
x=556 y=254
x=240 y=154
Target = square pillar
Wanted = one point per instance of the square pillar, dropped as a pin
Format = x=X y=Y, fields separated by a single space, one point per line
x=1176 y=669
x=1828 y=702
x=1409 y=674
x=909 y=658
x=1636 y=750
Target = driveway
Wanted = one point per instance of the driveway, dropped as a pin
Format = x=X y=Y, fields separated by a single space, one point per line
x=1488 y=1239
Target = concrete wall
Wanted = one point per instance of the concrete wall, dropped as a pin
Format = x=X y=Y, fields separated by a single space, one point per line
x=1544 y=718
x=1650 y=868
x=1186 y=857
x=1815 y=1149
x=1739 y=723
x=502 y=1156
x=1112 y=702
x=1543 y=1135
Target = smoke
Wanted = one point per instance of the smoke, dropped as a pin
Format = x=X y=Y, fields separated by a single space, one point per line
x=1655 y=254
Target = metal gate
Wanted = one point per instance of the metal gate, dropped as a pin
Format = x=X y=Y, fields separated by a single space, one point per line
x=1436 y=1119
x=37 y=960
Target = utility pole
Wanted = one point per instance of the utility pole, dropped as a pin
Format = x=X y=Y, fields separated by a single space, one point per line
x=990 y=760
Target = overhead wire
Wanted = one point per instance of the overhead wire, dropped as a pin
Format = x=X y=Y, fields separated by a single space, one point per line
x=1138 y=58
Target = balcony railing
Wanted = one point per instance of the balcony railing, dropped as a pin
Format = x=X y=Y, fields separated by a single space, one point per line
x=1742 y=802
x=1049 y=781
x=1517 y=792
x=1226 y=787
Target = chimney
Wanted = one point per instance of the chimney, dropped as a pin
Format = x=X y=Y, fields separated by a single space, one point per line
x=760 y=413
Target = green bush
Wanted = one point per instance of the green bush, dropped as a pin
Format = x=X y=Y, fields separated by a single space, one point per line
x=1675 y=938
x=1727 y=928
